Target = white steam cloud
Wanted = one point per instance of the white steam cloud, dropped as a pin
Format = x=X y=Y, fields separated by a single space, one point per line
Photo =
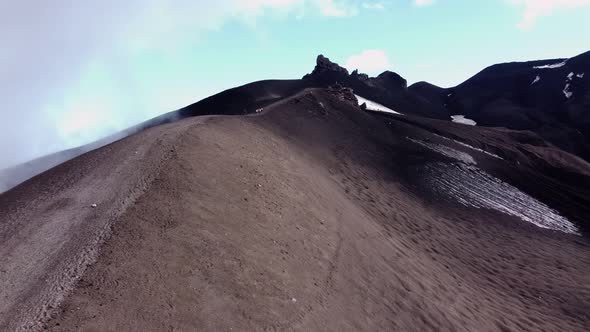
x=69 y=70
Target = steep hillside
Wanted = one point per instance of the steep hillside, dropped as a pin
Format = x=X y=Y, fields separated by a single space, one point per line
x=309 y=215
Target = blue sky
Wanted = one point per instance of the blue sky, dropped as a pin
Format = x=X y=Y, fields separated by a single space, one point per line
x=73 y=72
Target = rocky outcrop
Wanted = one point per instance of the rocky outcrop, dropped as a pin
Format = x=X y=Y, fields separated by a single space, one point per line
x=359 y=76
x=391 y=80
x=388 y=88
x=325 y=66
x=343 y=93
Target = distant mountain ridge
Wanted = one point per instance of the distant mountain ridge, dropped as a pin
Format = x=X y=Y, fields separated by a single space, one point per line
x=548 y=97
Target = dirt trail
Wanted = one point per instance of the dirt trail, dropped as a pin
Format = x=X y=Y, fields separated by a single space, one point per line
x=50 y=230
x=300 y=218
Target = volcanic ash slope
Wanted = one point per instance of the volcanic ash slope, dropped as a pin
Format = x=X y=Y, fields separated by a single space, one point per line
x=297 y=218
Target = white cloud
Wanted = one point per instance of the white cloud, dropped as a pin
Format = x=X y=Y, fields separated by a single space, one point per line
x=423 y=2
x=335 y=9
x=369 y=61
x=534 y=9
x=48 y=101
x=374 y=5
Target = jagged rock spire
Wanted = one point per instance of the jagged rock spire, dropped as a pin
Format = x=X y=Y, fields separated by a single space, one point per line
x=324 y=65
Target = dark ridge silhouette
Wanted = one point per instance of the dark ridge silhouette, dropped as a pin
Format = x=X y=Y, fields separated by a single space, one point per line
x=388 y=88
x=549 y=97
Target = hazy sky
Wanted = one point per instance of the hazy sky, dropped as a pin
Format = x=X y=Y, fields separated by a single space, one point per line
x=74 y=71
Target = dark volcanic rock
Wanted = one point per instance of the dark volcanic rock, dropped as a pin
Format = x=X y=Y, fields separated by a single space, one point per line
x=324 y=65
x=343 y=93
x=429 y=92
x=359 y=76
x=388 y=89
x=389 y=79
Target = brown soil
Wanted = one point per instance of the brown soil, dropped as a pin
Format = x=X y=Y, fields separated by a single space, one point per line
x=300 y=218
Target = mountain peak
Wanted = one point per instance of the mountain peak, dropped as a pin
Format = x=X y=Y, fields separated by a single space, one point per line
x=393 y=79
x=326 y=70
x=323 y=65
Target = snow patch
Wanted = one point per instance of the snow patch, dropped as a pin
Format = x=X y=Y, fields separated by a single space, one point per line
x=446 y=151
x=463 y=120
x=580 y=75
x=469 y=146
x=551 y=66
x=568 y=94
x=478 y=150
x=570 y=76
x=473 y=187
x=373 y=106
x=537 y=79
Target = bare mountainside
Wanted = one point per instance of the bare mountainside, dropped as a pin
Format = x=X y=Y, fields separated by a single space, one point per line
x=500 y=96
x=310 y=215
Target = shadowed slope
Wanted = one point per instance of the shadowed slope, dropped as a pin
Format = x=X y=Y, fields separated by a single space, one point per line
x=549 y=97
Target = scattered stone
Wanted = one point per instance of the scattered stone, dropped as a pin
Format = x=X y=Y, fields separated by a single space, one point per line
x=93 y=205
